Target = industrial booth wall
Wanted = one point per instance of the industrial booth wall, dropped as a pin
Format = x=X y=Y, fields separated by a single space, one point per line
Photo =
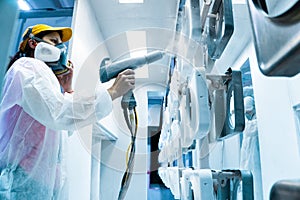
x=277 y=128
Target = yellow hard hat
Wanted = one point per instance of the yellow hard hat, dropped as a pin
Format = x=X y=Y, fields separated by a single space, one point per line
x=66 y=33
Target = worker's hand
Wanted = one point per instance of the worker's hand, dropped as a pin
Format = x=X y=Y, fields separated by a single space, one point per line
x=124 y=82
x=66 y=79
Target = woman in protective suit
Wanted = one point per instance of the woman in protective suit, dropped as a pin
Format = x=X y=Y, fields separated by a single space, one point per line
x=36 y=104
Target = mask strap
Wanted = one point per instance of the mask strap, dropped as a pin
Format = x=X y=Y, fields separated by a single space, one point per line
x=31 y=36
x=27 y=35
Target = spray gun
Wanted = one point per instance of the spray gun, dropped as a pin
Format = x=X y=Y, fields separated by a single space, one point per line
x=109 y=71
x=128 y=103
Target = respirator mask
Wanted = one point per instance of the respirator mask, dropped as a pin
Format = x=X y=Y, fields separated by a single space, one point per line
x=56 y=57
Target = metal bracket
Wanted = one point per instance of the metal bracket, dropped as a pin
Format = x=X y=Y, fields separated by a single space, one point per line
x=208 y=184
x=235 y=91
x=227 y=182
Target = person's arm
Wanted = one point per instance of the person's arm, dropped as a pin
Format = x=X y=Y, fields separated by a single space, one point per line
x=124 y=82
x=42 y=99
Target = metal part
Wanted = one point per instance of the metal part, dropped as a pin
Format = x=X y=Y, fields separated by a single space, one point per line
x=227 y=182
x=275 y=8
x=204 y=13
x=197 y=184
x=234 y=122
x=285 y=189
x=200 y=114
x=276 y=31
x=217 y=98
x=226 y=95
x=195 y=21
x=220 y=27
x=223 y=184
x=217 y=81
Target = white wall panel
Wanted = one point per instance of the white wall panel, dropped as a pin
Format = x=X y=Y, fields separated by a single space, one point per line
x=279 y=150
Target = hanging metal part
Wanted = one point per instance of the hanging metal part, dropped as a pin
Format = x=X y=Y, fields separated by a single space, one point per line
x=211 y=184
x=235 y=120
x=226 y=99
x=217 y=99
x=220 y=28
x=204 y=13
x=227 y=182
x=280 y=23
x=195 y=20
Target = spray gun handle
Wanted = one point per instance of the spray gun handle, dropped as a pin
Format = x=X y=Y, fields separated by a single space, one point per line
x=128 y=100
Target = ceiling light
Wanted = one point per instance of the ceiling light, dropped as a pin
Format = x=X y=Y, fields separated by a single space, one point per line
x=23 y=5
x=131 y=1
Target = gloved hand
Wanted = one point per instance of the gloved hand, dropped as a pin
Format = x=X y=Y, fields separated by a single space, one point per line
x=124 y=82
x=66 y=79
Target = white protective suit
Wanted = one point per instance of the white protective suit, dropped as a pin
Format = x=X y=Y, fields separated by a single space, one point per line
x=32 y=112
